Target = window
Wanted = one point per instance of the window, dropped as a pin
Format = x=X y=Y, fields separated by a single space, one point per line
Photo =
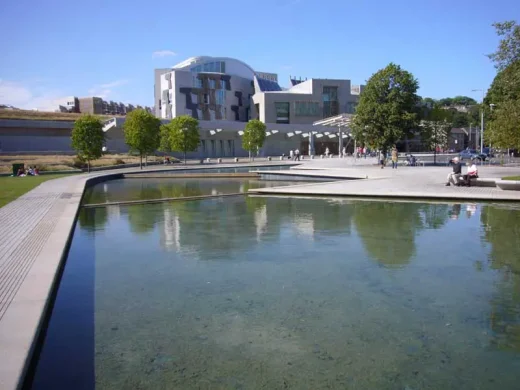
x=223 y=113
x=282 y=112
x=330 y=101
x=212 y=84
x=223 y=84
x=307 y=108
x=220 y=96
x=197 y=83
x=206 y=99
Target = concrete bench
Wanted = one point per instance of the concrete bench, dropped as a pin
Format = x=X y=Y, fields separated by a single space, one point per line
x=508 y=185
x=483 y=182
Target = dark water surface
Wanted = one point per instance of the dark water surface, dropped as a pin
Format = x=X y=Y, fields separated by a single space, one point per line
x=288 y=293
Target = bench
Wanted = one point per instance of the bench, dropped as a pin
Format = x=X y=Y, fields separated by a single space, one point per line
x=508 y=185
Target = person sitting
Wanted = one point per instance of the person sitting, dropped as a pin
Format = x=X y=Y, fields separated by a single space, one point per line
x=472 y=173
x=454 y=177
x=36 y=171
x=20 y=172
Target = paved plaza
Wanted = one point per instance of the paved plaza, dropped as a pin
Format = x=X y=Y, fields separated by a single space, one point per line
x=35 y=230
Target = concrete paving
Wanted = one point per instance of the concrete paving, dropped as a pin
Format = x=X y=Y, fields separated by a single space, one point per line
x=35 y=230
x=403 y=182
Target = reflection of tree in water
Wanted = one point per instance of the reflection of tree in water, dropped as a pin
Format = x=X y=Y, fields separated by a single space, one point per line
x=142 y=218
x=435 y=216
x=92 y=219
x=502 y=231
x=388 y=230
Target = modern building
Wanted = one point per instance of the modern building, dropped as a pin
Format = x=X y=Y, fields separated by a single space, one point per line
x=98 y=106
x=223 y=93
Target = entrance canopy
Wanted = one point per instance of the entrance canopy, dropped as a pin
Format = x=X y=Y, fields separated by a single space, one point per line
x=342 y=120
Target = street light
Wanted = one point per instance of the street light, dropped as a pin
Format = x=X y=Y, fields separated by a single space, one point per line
x=481 y=120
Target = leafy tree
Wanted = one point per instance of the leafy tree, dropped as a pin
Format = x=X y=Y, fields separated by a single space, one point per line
x=436 y=129
x=142 y=133
x=463 y=101
x=180 y=135
x=446 y=102
x=387 y=110
x=508 y=51
x=503 y=130
x=88 y=138
x=254 y=136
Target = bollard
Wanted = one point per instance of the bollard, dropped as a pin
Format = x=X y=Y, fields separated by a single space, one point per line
x=236 y=159
x=281 y=158
x=219 y=160
x=208 y=159
x=268 y=158
x=322 y=156
x=312 y=157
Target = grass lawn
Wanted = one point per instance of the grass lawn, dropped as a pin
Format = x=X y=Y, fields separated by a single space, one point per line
x=13 y=187
x=511 y=178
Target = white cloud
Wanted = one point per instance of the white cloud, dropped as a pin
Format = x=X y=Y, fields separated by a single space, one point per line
x=163 y=53
x=20 y=96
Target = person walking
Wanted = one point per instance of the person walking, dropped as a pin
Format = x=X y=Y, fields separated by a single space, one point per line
x=395 y=157
x=291 y=155
x=327 y=152
x=297 y=154
x=365 y=152
x=382 y=158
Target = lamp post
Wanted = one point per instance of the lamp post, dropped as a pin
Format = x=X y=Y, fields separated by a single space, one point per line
x=481 y=120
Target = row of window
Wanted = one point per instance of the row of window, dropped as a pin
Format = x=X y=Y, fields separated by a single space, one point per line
x=217 y=66
x=310 y=108
x=212 y=84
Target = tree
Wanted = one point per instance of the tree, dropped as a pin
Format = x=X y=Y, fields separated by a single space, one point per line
x=503 y=131
x=88 y=138
x=387 y=110
x=436 y=128
x=254 y=136
x=180 y=135
x=508 y=51
x=142 y=133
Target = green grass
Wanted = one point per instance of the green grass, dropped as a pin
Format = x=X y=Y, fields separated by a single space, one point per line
x=511 y=178
x=14 y=187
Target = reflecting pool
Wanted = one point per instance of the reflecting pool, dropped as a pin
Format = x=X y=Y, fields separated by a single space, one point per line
x=157 y=188
x=288 y=293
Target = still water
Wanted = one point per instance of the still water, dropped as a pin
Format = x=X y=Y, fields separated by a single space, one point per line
x=288 y=293
x=157 y=188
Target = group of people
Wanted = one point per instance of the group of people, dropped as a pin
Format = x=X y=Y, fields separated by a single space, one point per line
x=294 y=155
x=31 y=171
x=457 y=178
x=395 y=158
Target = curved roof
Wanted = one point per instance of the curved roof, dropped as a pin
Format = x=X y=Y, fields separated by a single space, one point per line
x=201 y=59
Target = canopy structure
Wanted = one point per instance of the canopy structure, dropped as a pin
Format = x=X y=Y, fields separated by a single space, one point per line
x=339 y=121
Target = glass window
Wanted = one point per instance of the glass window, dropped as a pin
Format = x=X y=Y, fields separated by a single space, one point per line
x=307 y=109
x=212 y=84
x=223 y=67
x=223 y=84
x=330 y=94
x=282 y=112
x=206 y=98
x=197 y=83
x=220 y=96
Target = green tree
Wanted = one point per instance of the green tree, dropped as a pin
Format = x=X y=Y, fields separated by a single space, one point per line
x=180 y=135
x=503 y=130
x=254 y=136
x=88 y=138
x=387 y=110
x=435 y=130
x=142 y=133
x=508 y=51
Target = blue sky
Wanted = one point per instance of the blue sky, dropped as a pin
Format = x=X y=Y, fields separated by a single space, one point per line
x=60 y=48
